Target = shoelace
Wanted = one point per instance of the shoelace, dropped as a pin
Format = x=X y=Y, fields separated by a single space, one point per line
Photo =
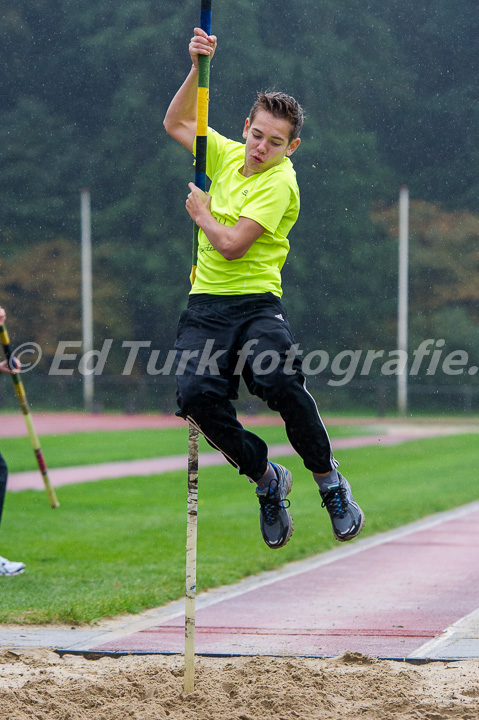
x=335 y=501
x=271 y=506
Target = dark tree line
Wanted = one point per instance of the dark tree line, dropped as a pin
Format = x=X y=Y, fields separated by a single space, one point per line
x=390 y=90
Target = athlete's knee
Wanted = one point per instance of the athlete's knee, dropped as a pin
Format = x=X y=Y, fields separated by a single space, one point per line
x=201 y=394
x=187 y=399
x=193 y=402
x=278 y=384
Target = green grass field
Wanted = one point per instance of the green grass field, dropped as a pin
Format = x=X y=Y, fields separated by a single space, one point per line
x=118 y=546
x=97 y=447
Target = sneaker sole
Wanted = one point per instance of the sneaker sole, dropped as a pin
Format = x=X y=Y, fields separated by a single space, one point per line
x=288 y=485
x=288 y=536
x=351 y=537
x=13 y=574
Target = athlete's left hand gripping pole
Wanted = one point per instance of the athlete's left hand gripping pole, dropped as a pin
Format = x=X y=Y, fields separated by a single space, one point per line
x=192 y=514
x=22 y=400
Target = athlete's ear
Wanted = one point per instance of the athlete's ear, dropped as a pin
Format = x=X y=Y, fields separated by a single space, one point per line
x=246 y=128
x=293 y=145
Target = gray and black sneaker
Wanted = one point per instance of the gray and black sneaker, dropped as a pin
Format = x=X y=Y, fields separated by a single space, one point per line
x=347 y=518
x=276 y=522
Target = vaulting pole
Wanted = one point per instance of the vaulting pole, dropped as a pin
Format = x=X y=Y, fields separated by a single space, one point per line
x=22 y=400
x=192 y=512
x=201 y=122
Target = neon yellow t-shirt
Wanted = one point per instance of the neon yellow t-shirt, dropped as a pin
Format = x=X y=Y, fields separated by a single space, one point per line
x=271 y=198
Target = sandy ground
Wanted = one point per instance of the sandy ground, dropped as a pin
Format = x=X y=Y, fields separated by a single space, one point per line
x=37 y=683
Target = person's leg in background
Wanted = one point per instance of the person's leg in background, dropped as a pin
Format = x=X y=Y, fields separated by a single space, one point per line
x=7 y=568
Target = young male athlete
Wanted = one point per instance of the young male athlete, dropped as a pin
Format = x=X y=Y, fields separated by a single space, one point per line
x=235 y=323
x=7 y=567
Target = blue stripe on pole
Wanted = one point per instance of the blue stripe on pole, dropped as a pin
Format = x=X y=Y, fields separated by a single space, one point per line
x=200 y=180
x=205 y=21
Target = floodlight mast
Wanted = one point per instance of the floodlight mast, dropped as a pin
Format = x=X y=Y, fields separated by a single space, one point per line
x=87 y=295
x=403 y=298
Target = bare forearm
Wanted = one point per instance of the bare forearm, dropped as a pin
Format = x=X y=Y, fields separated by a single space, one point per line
x=222 y=237
x=232 y=242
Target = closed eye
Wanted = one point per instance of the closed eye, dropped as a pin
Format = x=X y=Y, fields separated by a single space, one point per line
x=258 y=136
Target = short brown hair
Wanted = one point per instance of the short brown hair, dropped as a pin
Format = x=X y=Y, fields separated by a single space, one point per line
x=281 y=106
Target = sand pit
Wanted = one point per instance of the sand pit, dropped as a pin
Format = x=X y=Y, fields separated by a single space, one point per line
x=37 y=683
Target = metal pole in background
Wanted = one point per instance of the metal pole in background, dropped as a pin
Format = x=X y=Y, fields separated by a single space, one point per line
x=87 y=294
x=192 y=513
x=403 y=297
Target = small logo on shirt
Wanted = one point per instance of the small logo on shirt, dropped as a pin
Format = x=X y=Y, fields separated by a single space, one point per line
x=245 y=192
x=280 y=317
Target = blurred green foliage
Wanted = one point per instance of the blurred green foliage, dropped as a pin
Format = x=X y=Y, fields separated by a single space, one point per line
x=390 y=93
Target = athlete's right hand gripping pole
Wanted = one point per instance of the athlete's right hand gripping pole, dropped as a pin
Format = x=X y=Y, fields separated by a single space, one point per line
x=192 y=512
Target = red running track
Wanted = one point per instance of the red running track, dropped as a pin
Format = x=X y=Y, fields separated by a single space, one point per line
x=62 y=423
x=377 y=597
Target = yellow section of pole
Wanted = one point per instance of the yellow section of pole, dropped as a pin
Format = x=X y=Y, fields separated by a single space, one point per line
x=202 y=118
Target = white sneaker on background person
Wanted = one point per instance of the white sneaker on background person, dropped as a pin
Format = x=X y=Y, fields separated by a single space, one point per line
x=9 y=568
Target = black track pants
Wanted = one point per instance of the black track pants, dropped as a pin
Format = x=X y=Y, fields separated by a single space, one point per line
x=223 y=338
x=3 y=483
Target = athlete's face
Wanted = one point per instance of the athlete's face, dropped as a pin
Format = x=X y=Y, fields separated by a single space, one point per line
x=267 y=142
